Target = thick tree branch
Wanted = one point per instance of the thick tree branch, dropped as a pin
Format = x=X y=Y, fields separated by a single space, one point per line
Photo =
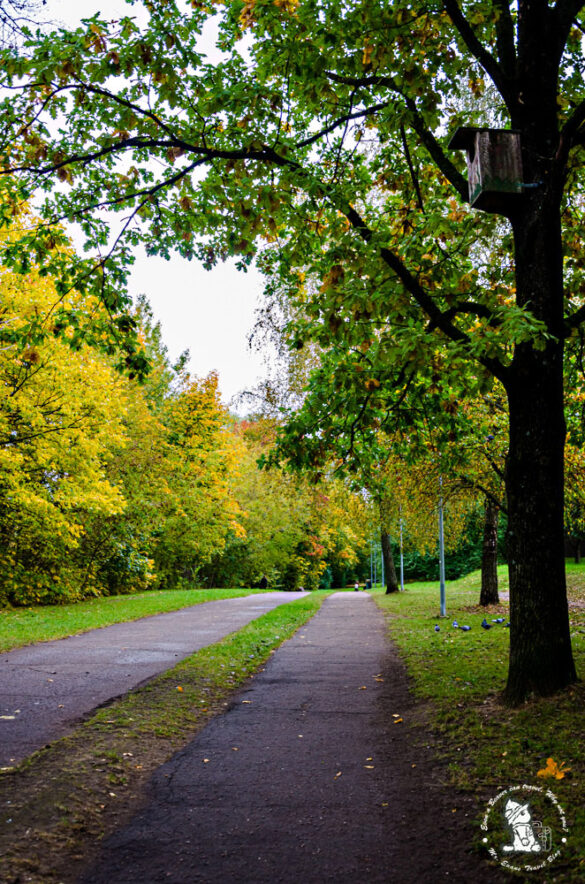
x=437 y=318
x=565 y=13
x=479 y=52
x=574 y=320
x=505 y=38
x=570 y=134
x=441 y=160
x=411 y=169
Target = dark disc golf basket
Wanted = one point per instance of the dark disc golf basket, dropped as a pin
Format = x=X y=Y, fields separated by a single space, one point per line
x=494 y=165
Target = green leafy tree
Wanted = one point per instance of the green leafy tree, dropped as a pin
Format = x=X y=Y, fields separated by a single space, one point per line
x=61 y=416
x=294 y=530
x=319 y=140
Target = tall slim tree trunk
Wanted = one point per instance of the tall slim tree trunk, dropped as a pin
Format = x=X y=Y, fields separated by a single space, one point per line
x=489 y=556
x=389 y=567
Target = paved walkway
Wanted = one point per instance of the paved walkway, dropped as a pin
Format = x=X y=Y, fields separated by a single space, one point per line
x=47 y=688
x=310 y=776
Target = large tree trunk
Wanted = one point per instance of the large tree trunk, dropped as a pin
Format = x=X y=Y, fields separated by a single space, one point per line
x=489 y=557
x=541 y=659
x=540 y=646
x=389 y=567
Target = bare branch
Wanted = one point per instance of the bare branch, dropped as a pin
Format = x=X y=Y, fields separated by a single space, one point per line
x=356 y=115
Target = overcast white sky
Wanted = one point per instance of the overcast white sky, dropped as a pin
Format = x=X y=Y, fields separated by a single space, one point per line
x=210 y=313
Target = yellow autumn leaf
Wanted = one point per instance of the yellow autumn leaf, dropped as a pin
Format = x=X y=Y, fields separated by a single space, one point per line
x=553 y=769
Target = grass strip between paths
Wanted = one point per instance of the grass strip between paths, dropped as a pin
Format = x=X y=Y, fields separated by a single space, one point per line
x=57 y=805
x=41 y=623
x=487 y=746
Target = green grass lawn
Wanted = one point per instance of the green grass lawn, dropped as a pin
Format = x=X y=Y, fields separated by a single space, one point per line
x=24 y=626
x=487 y=746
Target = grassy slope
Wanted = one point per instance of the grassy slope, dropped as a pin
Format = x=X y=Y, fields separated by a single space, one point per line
x=487 y=746
x=24 y=626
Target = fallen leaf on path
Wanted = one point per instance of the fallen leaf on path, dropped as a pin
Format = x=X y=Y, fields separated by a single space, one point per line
x=397 y=720
x=363 y=688
x=395 y=715
x=246 y=701
x=7 y=717
x=338 y=774
x=368 y=767
x=205 y=760
x=179 y=688
x=235 y=748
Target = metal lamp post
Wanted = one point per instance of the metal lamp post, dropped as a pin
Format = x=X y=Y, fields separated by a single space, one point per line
x=401 y=556
x=441 y=551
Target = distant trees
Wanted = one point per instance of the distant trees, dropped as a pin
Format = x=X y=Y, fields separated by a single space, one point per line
x=108 y=485
x=295 y=531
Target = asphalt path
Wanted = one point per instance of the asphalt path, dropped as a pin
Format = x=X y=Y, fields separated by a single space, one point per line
x=48 y=688
x=311 y=775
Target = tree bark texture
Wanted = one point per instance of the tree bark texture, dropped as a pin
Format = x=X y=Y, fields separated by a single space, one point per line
x=389 y=567
x=541 y=660
x=489 y=558
x=540 y=647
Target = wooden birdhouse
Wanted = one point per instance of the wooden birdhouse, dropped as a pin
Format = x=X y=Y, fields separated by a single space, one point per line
x=494 y=164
